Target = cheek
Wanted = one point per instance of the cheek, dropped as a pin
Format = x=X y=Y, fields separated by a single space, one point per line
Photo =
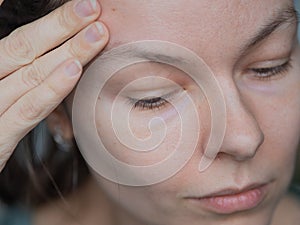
x=283 y=132
x=150 y=137
x=143 y=137
x=143 y=142
x=283 y=121
x=141 y=202
x=283 y=109
x=279 y=118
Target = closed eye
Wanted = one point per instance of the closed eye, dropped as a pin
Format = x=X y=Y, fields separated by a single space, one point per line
x=269 y=73
x=151 y=103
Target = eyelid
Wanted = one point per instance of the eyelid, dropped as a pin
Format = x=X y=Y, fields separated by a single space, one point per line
x=165 y=96
x=160 y=92
x=279 y=48
x=272 y=73
x=269 y=63
x=158 y=101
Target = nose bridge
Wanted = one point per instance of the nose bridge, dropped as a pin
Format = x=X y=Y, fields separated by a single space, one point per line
x=243 y=135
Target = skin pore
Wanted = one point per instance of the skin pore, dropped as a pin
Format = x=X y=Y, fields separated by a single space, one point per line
x=238 y=40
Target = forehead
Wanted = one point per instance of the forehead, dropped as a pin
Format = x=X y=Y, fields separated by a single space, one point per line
x=196 y=24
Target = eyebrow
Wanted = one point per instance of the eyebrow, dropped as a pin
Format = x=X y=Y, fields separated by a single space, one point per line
x=144 y=54
x=288 y=16
x=159 y=58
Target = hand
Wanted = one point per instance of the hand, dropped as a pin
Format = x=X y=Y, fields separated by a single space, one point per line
x=36 y=74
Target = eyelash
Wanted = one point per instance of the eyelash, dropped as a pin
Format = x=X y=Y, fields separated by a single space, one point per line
x=154 y=103
x=150 y=104
x=263 y=74
x=270 y=73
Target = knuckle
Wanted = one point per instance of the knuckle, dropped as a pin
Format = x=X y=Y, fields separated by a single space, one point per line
x=66 y=20
x=34 y=109
x=30 y=111
x=4 y=156
x=73 y=49
x=32 y=75
x=19 y=47
x=77 y=49
x=54 y=93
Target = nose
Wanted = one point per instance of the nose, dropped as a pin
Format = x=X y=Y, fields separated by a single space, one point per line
x=243 y=134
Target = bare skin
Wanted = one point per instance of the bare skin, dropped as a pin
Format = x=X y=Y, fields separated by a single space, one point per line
x=263 y=115
x=83 y=208
x=255 y=148
x=41 y=81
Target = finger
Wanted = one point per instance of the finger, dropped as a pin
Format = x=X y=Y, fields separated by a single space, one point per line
x=84 y=46
x=26 y=43
x=36 y=105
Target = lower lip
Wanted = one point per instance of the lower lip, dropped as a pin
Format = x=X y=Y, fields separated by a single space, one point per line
x=228 y=204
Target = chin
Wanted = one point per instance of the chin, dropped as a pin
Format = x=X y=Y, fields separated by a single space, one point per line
x=263 y=217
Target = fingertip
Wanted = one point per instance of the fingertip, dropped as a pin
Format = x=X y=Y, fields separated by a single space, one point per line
x=87 y=8
x=96 y=35
x=105 y=31
x=97 y=6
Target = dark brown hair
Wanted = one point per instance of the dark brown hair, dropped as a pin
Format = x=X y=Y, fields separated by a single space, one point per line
x=37 y=171
x=14 y=13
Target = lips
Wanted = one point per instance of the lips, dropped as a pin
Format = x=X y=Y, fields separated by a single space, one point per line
x=231 y=200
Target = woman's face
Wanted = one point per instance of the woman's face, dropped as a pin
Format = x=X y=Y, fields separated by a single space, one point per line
x=251 y=48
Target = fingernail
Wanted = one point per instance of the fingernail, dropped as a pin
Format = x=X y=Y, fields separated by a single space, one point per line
x=94 y=33
x=86 y=8
x=73 y=69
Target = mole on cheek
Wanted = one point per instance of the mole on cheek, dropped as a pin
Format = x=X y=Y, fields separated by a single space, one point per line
x=113 y=9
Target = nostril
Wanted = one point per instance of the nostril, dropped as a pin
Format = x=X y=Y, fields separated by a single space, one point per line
x=261 y=139
x=242 y=144
x=247 y=146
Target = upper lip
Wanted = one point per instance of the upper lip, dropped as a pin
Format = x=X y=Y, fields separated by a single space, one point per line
x=230 y=191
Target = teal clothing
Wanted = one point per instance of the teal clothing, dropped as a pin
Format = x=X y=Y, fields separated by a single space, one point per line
x=295 y=190
x=15 y=216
